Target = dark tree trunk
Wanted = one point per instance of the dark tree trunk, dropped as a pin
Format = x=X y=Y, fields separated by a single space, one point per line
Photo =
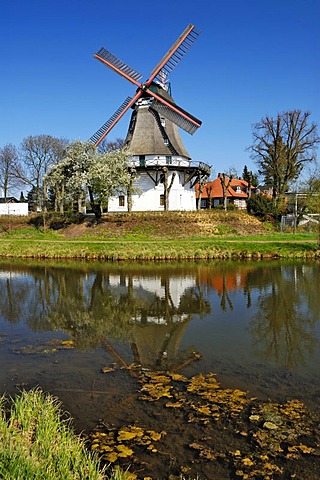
x=167 y=187
x=225 y=187
x=96 y=207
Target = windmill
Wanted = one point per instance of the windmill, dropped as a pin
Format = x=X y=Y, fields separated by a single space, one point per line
x=156 y=151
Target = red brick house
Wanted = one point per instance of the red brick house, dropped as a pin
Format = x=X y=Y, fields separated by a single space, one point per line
x=212 y=193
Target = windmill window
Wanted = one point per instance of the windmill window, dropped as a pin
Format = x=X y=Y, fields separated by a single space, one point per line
x=163 y=121
x=168 y=159
x=121 y=200
x=162 y=200
x=142 y=160
x=166 y=141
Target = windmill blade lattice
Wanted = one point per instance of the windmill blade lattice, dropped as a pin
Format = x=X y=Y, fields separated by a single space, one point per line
x=117 y=65
x=176 y=117
x=173 y=56
x=106 y=127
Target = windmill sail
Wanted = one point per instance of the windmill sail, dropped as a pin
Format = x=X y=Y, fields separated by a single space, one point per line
x=106 y=127
x=173 y=56
x=117 y=65
x=177 y=115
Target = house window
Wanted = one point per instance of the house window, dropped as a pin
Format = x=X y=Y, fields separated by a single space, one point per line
x=203 y=203
x=238 y=189
x=142 y=160
x=168 y=159
x=121 y=200
x=162 y=200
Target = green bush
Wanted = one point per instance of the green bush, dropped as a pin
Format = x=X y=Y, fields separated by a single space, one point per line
x=56 y=221
x=263 y=208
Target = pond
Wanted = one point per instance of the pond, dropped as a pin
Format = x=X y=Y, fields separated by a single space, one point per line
x=87 y=333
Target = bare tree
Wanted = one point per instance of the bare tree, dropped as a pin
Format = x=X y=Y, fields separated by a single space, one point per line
x=9 y=169
x=39 y=153
x=107 y=146
x=282 y=146
x=202 y=180
x=209 y=193
x=167 y=186
x=130 y=189
x=225 y=183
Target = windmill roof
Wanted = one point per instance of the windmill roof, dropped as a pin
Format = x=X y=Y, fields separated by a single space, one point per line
x=144 y=135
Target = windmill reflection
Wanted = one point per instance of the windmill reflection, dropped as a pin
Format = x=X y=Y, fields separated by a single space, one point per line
x=161 y=308
x=149 y=307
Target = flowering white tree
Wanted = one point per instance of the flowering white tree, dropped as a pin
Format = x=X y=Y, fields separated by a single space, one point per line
x=84 y=171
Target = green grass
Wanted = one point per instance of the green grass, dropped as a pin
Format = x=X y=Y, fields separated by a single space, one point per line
x=36 y=443
x=266 y=246
x=31 y=232
x=153 y=236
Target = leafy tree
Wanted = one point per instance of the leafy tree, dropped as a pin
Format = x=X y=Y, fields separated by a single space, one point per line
x=38 y=154
x=282 y=146
x=311 y=188
x=262 y=207
x=311 y=184
x=84 y=171
x=250 y=177
x=32 y=199
x=9 y=169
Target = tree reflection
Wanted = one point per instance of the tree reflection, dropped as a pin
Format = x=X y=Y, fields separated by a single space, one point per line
x=288 y=309
x=149 y=311
x=150 y=307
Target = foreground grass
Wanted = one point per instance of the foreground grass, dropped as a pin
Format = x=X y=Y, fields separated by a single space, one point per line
x=36 y=443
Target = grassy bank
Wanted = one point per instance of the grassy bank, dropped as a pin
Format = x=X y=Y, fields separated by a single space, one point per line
x=153 y=236
x=36 y=443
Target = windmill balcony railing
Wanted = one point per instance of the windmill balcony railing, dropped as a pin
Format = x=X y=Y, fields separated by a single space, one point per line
x=172 y=162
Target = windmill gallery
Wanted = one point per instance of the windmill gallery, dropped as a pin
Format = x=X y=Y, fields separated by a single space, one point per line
x=163 y=168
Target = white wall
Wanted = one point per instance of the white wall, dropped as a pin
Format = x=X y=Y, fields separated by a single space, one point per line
x=14 y=208
x=148 y=197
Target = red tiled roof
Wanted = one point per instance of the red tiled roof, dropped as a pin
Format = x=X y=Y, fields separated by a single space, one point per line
x=214 y=189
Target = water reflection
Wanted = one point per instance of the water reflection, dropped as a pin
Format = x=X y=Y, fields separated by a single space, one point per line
x=265 y=311
x=289 y=309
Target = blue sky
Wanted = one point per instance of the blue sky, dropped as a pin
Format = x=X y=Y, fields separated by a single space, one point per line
x=252 y=58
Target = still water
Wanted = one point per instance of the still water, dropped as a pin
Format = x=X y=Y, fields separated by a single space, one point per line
x=256 y=325
x=80 y=331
